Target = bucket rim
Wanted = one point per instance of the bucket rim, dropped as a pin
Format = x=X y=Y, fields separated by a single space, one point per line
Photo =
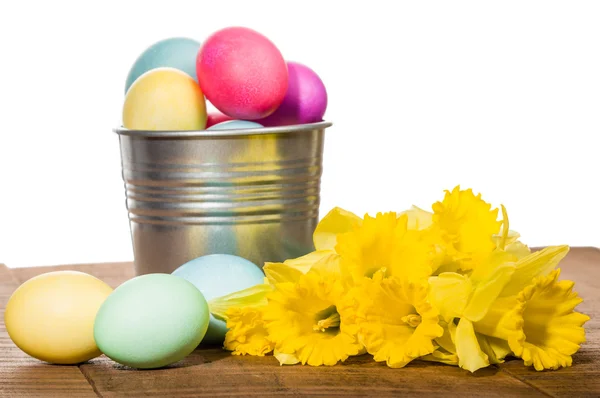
x=295 y=128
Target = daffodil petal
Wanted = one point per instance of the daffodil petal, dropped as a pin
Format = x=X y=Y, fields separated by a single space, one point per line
x=470 y=355
x=305 y=263
x=492 y=324
x=328 y=265
x=418 y=218
x=442 y=356
x=518 y=249
x=291 y=270
x=337 y=221
x=537 y=264
x=254 y=296
x=285 y=359
x=486 y=291
x=496 y=349
x=511 y=238
x=446 y=340
x=449 y=293
x=488 y=268
x=281 y=273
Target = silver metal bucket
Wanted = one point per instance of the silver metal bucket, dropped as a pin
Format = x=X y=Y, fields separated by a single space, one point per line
x=254 y=193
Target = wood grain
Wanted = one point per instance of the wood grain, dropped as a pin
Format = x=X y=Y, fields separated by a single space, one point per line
x=214 y=372
x=23 y=376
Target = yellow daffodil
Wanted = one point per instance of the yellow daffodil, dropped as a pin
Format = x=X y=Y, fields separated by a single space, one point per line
x=466 y=300
x=242 y=312
x=384 y=241
x=540 y=323
x=303 y=321
x=469 y=225
x=395 y=321
x=247 y=334
x=454 y=285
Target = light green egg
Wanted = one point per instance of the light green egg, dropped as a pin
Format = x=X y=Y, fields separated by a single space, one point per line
x=151 y=321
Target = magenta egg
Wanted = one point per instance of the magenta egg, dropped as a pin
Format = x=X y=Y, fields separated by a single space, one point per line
x=242 y=73
x=305 y=100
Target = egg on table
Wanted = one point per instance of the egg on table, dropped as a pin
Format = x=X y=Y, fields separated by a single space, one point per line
x=217 y=275
x=242 y=73
x=175 y=52
x=164 y=99
x=235 y=125
x=151 y=321
x=305 y=100
x=51 y=316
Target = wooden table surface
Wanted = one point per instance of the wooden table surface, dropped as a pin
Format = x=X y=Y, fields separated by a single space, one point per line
x=214 y=372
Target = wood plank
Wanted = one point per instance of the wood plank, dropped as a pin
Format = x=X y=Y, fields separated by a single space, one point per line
x=23 y=376
x=213 y=372
x=581 y=265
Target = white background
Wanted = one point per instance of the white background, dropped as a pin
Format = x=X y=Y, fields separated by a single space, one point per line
x=499 y=96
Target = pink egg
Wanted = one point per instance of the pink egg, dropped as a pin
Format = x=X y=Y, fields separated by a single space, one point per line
x=305 y=100
x=215 y=118
x=242 y=73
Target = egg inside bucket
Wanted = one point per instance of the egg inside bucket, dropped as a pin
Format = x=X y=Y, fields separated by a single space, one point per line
x=51 y=316
x=242 y=73
x=235 y=125
x=305 y=99
x=217 y=275
x=175 y=52
x=164 y=99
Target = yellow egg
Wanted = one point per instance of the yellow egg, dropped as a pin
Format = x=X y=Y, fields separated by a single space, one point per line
x=164 y=99
x=51 y=316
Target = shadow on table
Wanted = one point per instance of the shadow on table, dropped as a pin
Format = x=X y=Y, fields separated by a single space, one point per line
x=200 y=356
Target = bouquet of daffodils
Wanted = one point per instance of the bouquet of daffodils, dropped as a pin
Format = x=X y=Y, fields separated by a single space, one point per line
x=454 y=285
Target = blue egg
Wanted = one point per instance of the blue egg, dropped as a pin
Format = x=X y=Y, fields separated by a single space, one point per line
x=235 y=125
x=217 y=275
x=176 y=52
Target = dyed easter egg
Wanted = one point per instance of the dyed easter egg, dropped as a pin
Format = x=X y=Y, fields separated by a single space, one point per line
x=235 y=125
x=217 y=275
x=164 y=99
x=215 y=118
x=242 y=73
x=305 y=100
x=175 y=52
x=51 y=316
x=151 y=321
